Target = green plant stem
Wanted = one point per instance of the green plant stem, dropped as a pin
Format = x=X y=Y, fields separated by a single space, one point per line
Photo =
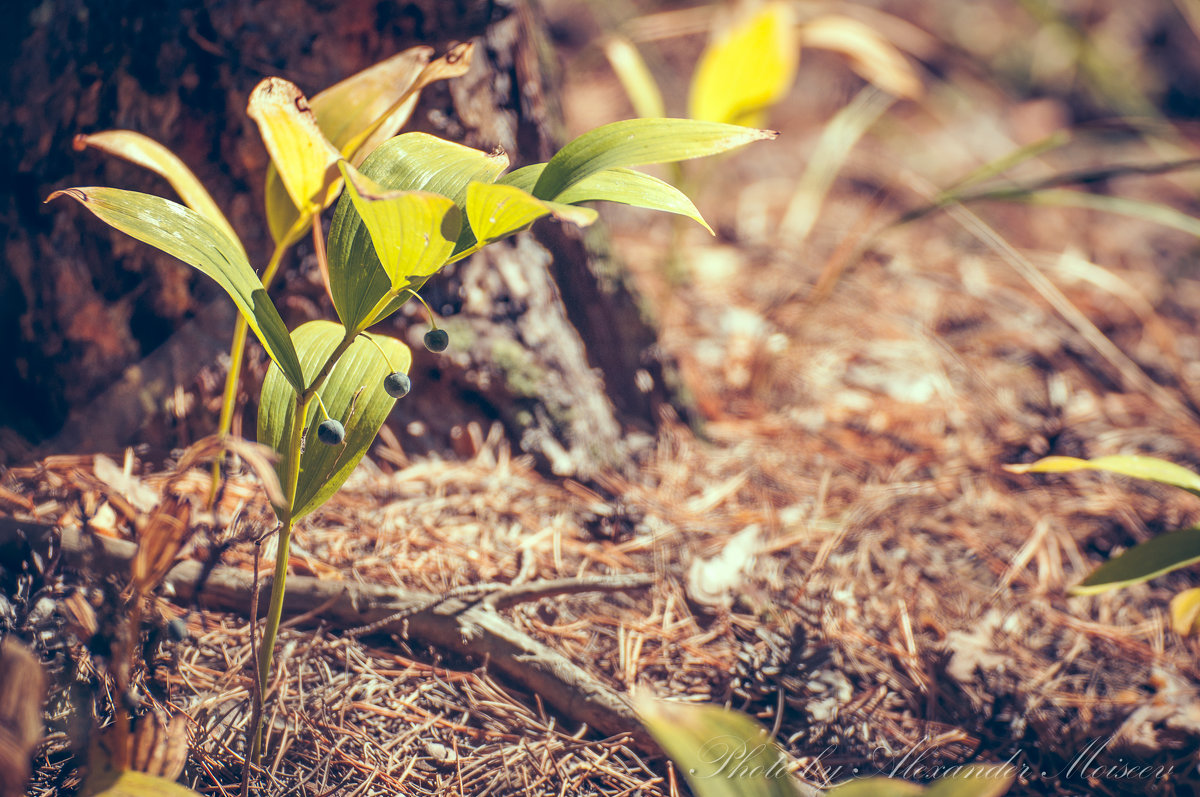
x=237 y=354
x=266 y=647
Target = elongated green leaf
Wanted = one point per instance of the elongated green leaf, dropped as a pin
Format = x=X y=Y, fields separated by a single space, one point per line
x=353 y=393
x=360 y=113
x=495 y=210
x=1144 y=561
x=1123 y=206
x=626 y=186
x=149 y=154
x=408 y=162
x=185 y=234
x=747 y=68
x=1139 y=467
x=722 y=753
x=637 y=142
x=413 y=232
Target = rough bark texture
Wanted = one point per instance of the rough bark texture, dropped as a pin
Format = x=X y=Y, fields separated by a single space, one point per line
x=84 y=307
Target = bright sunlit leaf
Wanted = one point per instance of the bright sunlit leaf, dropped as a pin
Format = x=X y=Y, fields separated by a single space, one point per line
x=625 y=186
x=304 y=158
x=185 y=234
x=149 y=154
x=748 y=67
x=638 y=142
x=353 y=394
x=413 y=232
x=495 y=211
x=408 y=162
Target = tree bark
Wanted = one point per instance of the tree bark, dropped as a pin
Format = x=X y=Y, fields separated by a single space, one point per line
x=85 y=307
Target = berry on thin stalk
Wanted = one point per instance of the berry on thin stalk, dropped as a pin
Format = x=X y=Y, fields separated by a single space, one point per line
x=397 y=384
x=331 y=432
x=436 y=340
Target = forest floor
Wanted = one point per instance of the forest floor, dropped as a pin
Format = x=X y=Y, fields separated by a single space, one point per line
x=860 y=388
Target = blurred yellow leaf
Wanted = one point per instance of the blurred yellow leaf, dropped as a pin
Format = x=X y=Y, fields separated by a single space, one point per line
x=635 y=77
x=1185 y=612
x=747 y=68
x=873 y=57
x=305 y=159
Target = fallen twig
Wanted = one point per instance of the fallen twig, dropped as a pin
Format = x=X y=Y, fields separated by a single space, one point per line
x=469 y=625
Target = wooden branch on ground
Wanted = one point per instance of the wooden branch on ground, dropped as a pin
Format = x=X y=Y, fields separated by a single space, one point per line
x=466 y=623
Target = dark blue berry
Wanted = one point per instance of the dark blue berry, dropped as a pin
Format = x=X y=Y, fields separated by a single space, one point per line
x=331 y=432
x=437 y=340
x=397 y=385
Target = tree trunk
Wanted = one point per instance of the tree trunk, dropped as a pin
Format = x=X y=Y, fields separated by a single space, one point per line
x=88 y=310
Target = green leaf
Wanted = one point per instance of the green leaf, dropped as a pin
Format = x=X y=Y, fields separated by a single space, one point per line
x=353 y=393
x=1139 y=467
x=722 y=753
x=748 y=68
x=136 y=784
x=495 y=211
x=185 y=234
x=408 y=162
x=876 y=787
x=1144 y=561
x=637 y=142
x=626 y=186
x=149 y=154
x=413 y=232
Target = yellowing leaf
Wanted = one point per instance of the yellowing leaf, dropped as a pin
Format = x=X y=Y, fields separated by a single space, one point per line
x=635 y=77
x=149 y=154
x=1185 y=612
x=360 y=113
x=873 y=57
x=1136 y=466
x=408 y=162
x=304 y=158
x=413 y=232
x=747 y=68
x=495 y=211
x=453 y=64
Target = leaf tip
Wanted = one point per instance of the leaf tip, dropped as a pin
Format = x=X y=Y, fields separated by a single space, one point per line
x=1017 y=468
x=75 y=193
